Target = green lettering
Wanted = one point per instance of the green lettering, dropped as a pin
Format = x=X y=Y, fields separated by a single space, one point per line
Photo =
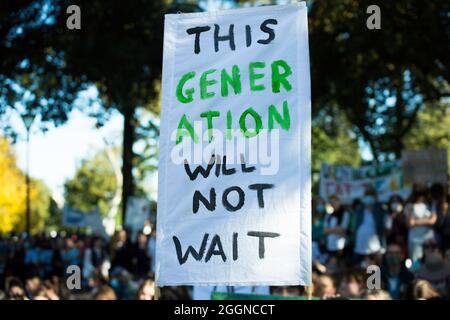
x=205 y=83
x=254 y=76
x=258 y=123
x=234 y=80
x=280 y=78
x=188 y=95
x=185 y=129
x=285 y=121
x=209 y=115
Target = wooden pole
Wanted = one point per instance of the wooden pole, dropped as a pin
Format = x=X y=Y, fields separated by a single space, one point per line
x=309 y=292
x=157 y=293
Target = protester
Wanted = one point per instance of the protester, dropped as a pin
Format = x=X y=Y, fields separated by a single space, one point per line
x=422 y=290
x=352 y=284
x=397 y=230
x=394 y=274
x=420 y=222
x=147 y=290
x=434 y=268
x=324 y=287
x=335 y=227
x=370 y=227
x=105 y=293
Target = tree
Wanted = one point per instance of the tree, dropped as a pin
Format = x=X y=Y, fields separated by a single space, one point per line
x=93 y=185
x=118 y=49
x=379 y=78
x=12 y=195
x=428 y=132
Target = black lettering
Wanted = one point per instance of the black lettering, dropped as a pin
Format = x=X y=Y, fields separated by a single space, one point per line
x=244 y=168
x=197 y=31
x=261 y=235
x=196 y=255
x=259 y=187
x=199 y=169
x=211 y=251
x=227 y=204
x=210 y=205
x=248 y=35
x=225 y=171
x=268 y=30
x=229 y=37
x=235 y=246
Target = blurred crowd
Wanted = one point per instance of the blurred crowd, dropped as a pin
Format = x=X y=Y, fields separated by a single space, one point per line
x=407 y=240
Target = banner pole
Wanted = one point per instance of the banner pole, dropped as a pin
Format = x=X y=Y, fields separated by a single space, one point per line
x=157 y=293
x=309 y=292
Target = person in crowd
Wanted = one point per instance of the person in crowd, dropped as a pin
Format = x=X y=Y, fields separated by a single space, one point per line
x=335 y=227
x=318 y=214
x=288 y=291
x=437 y=204
x=324 y=287
x=122 y=251
x=46 y=258
x=147 y=290
x=32 y=285
x=71 y=253
x=15 y=289
x=420 y=222
x=421 y=289
x=394 y=274
x=371 y=222
x=46 y=292
x=352 y=284
x=105 y=293
x=397 y=231
x=377 y=295
x=31 y=261
x=94 y=257
x=434 y=268
x=444 y=224
x=319 y=256
x=152 y=249
x=141 y=260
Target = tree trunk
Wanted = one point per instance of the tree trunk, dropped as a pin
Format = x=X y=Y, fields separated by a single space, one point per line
x=127 y=157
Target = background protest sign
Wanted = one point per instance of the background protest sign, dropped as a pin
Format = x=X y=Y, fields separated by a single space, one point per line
x=425 y=166
x=350 y=183
x=77 y=219
x=138 y=211
x=234 y=199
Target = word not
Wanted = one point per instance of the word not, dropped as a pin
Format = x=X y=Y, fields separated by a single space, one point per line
x=221 y=168
x=216 y=247
x=197 y=31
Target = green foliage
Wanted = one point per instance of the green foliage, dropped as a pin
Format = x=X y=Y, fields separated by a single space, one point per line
x=92 y=186
x=432 y=129
x=333 y=142
x=379 y=79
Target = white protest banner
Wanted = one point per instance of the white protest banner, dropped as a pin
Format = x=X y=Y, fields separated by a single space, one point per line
x=234 y=191
x=349 y=183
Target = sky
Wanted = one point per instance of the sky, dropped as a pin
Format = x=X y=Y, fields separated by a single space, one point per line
x=55 y=155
